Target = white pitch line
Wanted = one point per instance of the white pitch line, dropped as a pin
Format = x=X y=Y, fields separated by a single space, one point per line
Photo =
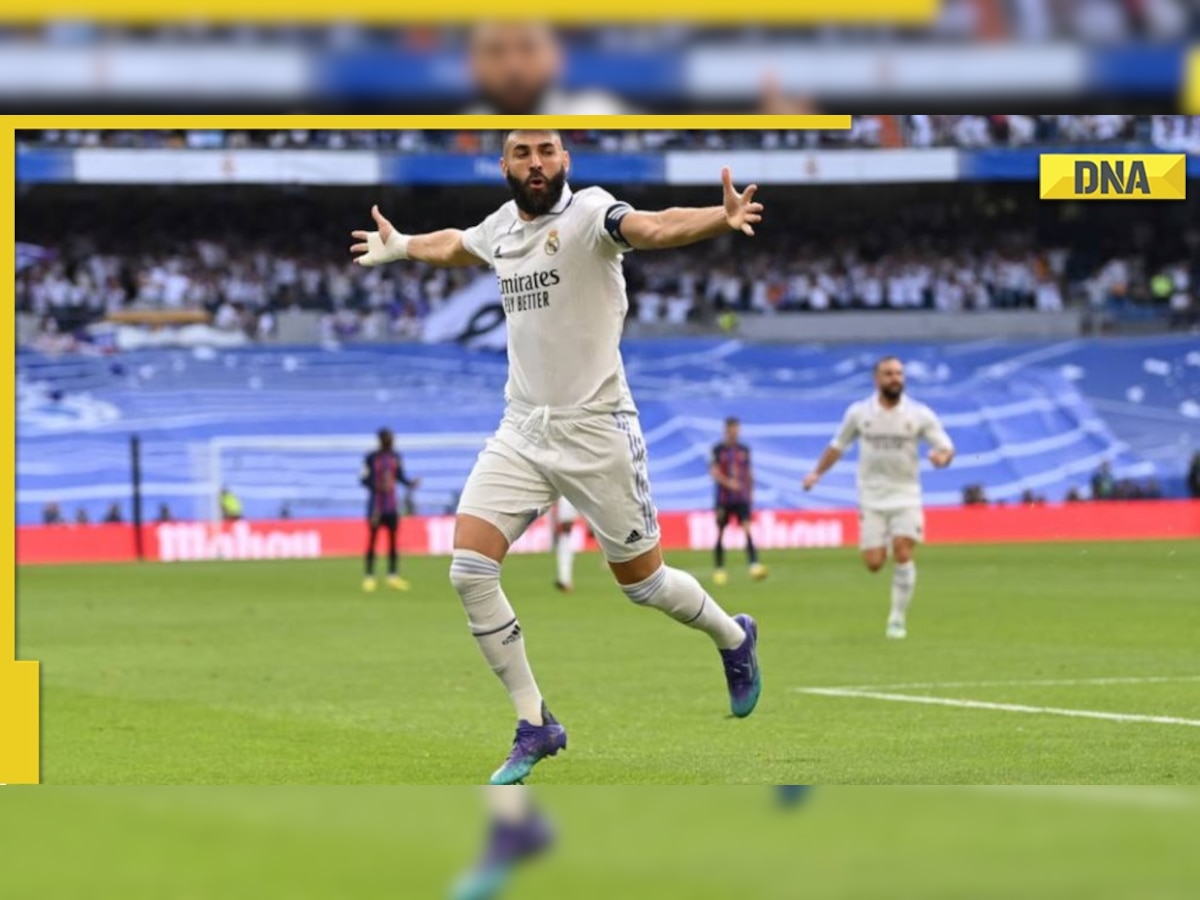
x=1003 y=707
x=1037 y=682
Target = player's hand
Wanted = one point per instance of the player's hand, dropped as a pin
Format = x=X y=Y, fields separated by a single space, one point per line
x=741 y=212
x=940 y=458
x=378 y=247
x=810 y=480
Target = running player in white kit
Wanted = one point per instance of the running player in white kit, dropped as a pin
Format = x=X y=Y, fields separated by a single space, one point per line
x=564 y=524
x=890 y=427
x=570 y=427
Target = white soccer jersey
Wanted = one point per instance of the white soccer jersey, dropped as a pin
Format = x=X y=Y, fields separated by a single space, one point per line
x=889 y=461
x=563 y=292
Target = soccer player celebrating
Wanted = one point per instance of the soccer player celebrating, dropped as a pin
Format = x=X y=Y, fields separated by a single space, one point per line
x=570 y=427
x=730 y=469
x=382 y=470
x=890 y=426
x=564 y=523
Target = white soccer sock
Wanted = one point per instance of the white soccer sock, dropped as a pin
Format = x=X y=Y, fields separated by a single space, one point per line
x=566 y=559
x=508 y=802
x=904 y=582
x=496 y=629
x=681 y=597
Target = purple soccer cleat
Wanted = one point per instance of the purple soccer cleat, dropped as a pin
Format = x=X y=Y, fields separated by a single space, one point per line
x=509 y=844
x=532 y=744
x=742 y=672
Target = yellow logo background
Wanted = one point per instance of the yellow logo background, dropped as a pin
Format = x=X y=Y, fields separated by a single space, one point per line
x=1166 y=174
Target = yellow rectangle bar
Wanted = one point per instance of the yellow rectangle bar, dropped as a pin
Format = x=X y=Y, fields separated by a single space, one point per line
x=8 y=403
x=19 y=706
x=1190 y=102
x=1113 y=176
x=607 y=123
x=19 y=738
x=467 y=11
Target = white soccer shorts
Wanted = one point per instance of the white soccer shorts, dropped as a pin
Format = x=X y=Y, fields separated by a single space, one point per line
x=565 y=512
x=596 y=461
x=878 y=528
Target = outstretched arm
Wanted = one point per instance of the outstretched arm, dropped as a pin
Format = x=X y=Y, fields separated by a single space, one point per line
x=681 y=226
x=847 y=433
x=827 y=461
x=438 y=248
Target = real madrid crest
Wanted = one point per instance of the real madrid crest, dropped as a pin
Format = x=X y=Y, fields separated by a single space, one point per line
x=551 y=246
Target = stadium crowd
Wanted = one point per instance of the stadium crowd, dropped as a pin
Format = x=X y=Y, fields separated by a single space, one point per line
x=919 y=249
x=1169 y=132
x=245 y=289
x=1103 y=486
x=1023 y=21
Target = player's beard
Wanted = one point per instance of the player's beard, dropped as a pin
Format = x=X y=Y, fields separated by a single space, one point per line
x=538 y=203
x=516 y=100
x=892 y=391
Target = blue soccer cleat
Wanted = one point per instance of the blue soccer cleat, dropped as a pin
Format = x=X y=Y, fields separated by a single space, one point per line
x=742 y=672
x=509 y=844
x=532 y=744
x=792 y=794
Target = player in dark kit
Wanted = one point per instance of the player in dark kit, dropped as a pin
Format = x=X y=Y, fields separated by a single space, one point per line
x=382 y=471
x=730 y=469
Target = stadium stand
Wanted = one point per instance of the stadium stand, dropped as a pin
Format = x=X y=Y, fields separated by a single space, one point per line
x=950 y=247
x=1168 y=132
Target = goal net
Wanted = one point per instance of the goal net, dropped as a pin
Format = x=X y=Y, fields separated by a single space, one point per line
x=317 y=476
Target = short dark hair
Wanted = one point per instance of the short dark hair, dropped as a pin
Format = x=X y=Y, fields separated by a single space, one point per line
x=732 y=420
x=886 y=359
x=510 y=135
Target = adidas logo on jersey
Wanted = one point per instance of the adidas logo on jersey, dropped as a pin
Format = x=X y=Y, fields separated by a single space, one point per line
x=634 y=537
x=513 y=636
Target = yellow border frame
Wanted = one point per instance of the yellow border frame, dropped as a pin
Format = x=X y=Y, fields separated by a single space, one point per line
x=482 y=123
x=19 y=737
x=383 y=12
x=1189 y=102
x=19 y=681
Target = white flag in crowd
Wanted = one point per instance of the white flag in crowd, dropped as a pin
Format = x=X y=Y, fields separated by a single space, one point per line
x=31 y=254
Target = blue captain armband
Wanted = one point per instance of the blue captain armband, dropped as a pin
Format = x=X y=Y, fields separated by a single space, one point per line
x=612 y=222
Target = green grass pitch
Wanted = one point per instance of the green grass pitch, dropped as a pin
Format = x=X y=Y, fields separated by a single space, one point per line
x=640 y=843
x=286 y=673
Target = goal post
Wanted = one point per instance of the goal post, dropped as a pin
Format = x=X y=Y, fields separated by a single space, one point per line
x=317 y=475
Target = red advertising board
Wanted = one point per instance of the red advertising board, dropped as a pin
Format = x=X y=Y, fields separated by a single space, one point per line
x=773 y=529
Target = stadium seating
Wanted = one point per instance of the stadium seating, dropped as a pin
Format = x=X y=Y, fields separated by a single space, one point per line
x=1037 y=416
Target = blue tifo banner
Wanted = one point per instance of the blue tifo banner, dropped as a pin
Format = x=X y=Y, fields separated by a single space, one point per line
x=1033 y=416
x=913 y=166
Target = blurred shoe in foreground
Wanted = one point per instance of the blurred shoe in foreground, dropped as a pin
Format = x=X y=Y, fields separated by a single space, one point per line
x=519 y=832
